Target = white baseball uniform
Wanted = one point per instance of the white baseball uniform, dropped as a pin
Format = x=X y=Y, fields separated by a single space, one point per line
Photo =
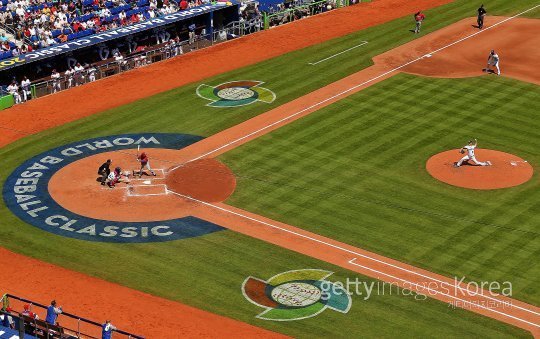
x=470 y=156
x=69 y=75
x=493 y=60
x=25 y=84
x=56 y=82
x=92 y=74
x=13 y=89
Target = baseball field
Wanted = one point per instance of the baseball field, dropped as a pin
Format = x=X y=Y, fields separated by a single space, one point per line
x=292 y=150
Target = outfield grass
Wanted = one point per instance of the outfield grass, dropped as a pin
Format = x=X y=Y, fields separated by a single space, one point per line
x=207 y=272
x=355 y=171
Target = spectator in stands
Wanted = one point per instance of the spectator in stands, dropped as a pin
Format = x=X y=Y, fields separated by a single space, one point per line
x=7 y=320
x=16 y=51
x=3 y=37
x=28 y=313
x=25 y=49
x=52 y=313
x=107 y=330
x=77 y=27
x=183 y=5
x=6 y=47
x=123 y=18
x=62 y=37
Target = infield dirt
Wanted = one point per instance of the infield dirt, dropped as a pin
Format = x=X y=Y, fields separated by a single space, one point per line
x=22 y=120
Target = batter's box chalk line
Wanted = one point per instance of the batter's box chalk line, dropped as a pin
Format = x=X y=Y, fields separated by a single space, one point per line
x=138 y=190
x=156 y=170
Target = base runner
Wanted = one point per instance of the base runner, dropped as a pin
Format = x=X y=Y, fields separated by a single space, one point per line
x=145 y=162
x=469 y=148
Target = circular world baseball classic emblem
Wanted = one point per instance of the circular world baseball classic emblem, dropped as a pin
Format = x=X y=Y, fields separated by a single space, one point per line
x=26 y=193
x=235 y=93
x=295 y=295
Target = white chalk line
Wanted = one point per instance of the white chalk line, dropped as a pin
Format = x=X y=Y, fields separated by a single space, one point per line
x=351 y=89
x=151 y=178
x=335 y=55
x=131 y=188
x=448 y=295
x=361 y=255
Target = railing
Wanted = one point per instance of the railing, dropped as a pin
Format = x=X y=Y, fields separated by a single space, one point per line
x=153 y=54
x=303 y=8
x=237 y=29
x=27 y=325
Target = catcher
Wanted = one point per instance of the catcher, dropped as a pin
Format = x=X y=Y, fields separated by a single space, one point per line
x=469 y=148
x=116 y=177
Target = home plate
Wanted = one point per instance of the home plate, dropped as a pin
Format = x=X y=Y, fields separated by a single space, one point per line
x=147 y=182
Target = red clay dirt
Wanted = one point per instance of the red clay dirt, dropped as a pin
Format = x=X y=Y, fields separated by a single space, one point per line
x=207 y=180
x=204 y=179
x=507 y=170
x=512 y=41
x=60 y=108
x=508 y=310
x=137 y=312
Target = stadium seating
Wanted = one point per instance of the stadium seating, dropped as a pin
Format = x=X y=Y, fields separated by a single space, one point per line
x=87 y=11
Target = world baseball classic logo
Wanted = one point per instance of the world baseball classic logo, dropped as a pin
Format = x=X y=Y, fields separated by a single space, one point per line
x=235 y=93
x=295 y=295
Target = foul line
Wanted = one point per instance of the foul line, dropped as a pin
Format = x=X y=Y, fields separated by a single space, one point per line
x=352 y=88
x=367 y=257
x=335 y=55
x=448 y=295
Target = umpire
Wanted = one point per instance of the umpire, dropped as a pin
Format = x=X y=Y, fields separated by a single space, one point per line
x=481 y=14
x=104 y=171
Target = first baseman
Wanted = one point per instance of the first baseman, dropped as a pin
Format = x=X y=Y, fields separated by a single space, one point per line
x=469 y=149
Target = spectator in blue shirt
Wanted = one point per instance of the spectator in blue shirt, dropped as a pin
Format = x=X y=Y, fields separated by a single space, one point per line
x=52 y=313
x=107 y=330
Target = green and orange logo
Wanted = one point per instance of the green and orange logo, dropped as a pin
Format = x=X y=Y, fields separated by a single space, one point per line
x=235 y=93
x=295 y=295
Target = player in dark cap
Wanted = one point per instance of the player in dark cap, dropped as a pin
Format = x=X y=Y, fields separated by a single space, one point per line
x=104 y=170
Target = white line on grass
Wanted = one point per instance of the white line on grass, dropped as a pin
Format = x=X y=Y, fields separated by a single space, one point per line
x=335 y=55
x=351 y=89
x=360 y=255
x=446 y=294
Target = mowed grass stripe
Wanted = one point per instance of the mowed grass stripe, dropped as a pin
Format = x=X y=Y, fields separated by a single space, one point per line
x=355 y=159
x=207 y=272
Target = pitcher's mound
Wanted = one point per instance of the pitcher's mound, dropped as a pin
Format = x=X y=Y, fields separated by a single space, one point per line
x=507 y=170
